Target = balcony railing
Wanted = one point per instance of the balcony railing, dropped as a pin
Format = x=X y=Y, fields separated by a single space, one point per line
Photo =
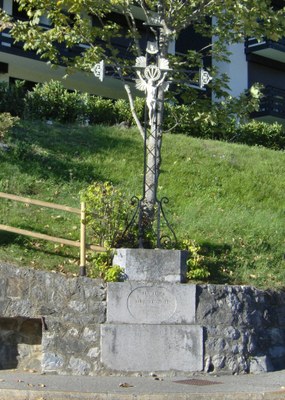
x=266 y=48
x=272 y=103
x=7 y=45
x=253 y=44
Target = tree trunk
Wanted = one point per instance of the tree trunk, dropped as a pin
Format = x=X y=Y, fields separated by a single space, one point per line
x=153 y=161
x=153 y=154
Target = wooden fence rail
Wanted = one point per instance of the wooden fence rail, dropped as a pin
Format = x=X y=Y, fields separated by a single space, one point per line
x=81 y=244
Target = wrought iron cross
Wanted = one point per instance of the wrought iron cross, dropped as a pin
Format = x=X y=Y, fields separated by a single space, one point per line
x=152 y=71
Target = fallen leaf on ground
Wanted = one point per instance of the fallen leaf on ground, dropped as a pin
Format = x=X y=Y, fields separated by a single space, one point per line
x=125 y=385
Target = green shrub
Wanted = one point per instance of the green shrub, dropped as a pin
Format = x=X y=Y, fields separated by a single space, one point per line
x=106 y=213
x=101 y=267
x=197 y=269
x=51 y=100
x=219 y=125
x=101 y=111
x=12 y=98
x=262 y=134
x=107 y=216
x=7 y=121
x=200 y=119
x=178 y=119
x=123 y=110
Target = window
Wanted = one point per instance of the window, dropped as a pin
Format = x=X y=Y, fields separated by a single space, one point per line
x=17 y=14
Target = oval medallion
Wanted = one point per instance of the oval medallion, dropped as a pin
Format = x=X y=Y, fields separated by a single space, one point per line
x=149 y=304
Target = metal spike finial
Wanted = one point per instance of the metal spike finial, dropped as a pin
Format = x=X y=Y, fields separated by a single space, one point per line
x=152 y=48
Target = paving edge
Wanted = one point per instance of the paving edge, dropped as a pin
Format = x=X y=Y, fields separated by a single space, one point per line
x=8 y=394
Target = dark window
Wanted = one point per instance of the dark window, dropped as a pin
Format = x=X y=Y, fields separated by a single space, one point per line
x=28 y=85
x=17 y=14
x=123 y=43
x=4 y=67
x=277 y=4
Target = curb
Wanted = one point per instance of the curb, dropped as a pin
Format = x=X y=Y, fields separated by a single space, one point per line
x=9 y=394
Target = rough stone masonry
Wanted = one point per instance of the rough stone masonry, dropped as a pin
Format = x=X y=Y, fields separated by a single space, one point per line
x=53 y=324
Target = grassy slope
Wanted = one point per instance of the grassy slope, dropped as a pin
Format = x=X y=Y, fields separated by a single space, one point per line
x=229 y=198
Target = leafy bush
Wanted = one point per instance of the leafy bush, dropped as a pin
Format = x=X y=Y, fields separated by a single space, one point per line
x=261 y=133
x=123 y=110
x=101 y=111
x=6 y=123
x=101 y=267
x=106 y=213
x=12 y=98
x=107 y=217
x=219 y=125
x=109 y=112
x=201 y=118
x=178 y=119
x=52 y=101
x=197 y=269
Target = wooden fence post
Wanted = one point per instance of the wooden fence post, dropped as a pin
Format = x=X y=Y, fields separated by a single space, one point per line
x=81 y=244
x=82 y=241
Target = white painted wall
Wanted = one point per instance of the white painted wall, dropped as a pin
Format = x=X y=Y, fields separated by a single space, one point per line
x=236 y=69
x=38 y=71
x=8 y=6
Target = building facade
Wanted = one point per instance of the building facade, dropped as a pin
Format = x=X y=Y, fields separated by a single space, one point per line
x=250 y=62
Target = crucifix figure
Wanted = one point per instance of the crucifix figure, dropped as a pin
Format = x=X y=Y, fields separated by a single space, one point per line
x=149 y=81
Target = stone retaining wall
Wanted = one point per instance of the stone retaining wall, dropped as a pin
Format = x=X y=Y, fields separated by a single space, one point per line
x=52 y=323
x=69 y=311
x=244 y=328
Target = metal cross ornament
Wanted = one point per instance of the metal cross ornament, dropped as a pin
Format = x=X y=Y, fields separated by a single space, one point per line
x=151 y=77
x=152 y=71
x=99 y=70
x=204 y=78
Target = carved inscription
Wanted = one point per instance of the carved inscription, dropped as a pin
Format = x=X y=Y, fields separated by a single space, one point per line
x=151 y=304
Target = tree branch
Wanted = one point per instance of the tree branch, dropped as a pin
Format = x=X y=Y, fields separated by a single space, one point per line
x=133 y=28
x=133 y=111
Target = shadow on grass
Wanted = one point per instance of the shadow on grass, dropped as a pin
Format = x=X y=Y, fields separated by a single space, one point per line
x=25 y=244
x=219 y=261
x=6 y=238
x=61 y=152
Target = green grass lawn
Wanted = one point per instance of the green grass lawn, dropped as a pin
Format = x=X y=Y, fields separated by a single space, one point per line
x=229 y=198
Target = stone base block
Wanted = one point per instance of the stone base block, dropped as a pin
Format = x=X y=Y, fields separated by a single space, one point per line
x=152 y=265
x=147 y=303
x=146 y=348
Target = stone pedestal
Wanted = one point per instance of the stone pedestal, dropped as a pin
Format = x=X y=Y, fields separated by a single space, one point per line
x=146 y=348
x=151 y=317
x=152 y=265
x=151 y=327
x=149 y=303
